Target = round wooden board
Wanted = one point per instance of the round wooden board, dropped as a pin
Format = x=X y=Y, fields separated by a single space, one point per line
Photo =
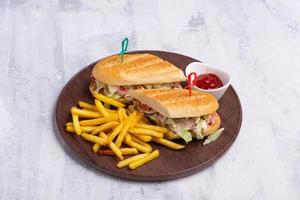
x=170 y=164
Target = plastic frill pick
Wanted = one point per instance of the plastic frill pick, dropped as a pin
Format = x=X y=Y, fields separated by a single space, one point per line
x=191 y=82
x=124 y=48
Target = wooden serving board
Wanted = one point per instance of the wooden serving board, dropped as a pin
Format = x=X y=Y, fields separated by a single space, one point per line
x=170 y=164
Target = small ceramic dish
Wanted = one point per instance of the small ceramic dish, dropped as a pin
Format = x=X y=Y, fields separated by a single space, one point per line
x=202 y=68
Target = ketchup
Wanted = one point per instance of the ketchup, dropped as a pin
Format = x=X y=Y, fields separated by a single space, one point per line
x=208 y=81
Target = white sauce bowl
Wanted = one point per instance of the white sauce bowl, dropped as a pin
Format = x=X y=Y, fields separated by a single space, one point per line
x=202 y=68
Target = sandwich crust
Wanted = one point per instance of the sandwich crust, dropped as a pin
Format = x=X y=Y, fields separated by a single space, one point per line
x=136 y=69
x=177 y=103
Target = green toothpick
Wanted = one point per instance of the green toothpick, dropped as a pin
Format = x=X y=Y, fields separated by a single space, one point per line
x=124 y=48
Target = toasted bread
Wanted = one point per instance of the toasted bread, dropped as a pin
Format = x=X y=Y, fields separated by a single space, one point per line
x=136 y=69
x=177 y=103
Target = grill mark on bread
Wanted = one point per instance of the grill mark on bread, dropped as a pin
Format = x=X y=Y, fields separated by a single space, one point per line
x=139 y=63
x=178 y=97
x=163 y=67
x=114 y=61
x=177 y=103
x=154 y=94
x=137 y=69
x=145 y=64
x=187 y=100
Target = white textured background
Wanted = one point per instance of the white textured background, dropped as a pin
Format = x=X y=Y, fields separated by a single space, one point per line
x=43 y=43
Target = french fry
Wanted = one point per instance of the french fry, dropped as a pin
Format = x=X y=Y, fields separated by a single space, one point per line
x=116 y=150
x=108 y=110
x=134 y=139
x=105 y=127
x=115 y=132
x=70 y=129
x=137 y=119
x=101 y=108
x=93 y=138
x=139 y=147
x=144 y=138
x=96 y=147
x=111 y=111
x=87 y=105
x=129 y=151
x=104 y=136
x=125 y=151
x=76 y=122
x=108 y=100
x=125 y=128
x=146 y=159
x=124 y=113
x=86 y=129
x=85 y=113
x=127 y=161
x=93 y=107
x=112 y=146
x=152 y=127
x=120 y=114
x=168 y=143
x=169 y=134
x=69 y=124
x=97 y=121
x=85 y=109
x=128 y=138
x=146 y=132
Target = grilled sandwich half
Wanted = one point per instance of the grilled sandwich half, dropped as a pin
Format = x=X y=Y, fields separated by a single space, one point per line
x=187 y=116
x=137 y=71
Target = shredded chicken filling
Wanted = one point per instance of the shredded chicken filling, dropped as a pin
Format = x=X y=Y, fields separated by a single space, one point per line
x=192 y=125
x=121 y=92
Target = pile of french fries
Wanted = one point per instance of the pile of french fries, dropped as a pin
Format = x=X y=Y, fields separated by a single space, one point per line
x=116 y=131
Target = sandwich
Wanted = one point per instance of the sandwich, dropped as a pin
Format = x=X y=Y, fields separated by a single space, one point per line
x=186 y=116
x=137 y=71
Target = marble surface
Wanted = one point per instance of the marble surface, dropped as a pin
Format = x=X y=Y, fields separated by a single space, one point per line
x=43 y=43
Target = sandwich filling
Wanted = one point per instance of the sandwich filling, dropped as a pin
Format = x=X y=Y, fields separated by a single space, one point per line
x=121 y=92
x=184 y=127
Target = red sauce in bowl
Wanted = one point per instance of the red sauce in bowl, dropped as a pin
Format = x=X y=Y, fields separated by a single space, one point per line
x=208 y=81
